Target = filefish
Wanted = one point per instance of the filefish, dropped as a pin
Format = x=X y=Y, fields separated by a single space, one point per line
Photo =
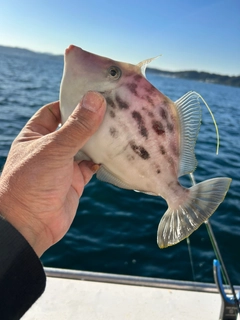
x=145 y=142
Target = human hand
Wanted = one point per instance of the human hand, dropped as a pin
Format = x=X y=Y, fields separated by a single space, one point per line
x=41 y=183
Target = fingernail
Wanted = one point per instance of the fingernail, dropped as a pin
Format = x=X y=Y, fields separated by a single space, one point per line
x=92 y=101
x=95 y=168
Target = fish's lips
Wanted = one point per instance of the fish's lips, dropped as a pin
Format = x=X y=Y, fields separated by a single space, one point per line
x=72 y=48
x=79 y=59
x=69 y=49
x=74 y=54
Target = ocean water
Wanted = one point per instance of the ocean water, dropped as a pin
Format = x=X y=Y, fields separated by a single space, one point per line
x=115 y=230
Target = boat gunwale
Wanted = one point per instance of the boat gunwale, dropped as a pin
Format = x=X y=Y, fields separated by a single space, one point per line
x=134 y=280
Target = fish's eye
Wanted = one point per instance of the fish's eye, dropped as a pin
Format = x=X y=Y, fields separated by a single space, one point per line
x=114 y=72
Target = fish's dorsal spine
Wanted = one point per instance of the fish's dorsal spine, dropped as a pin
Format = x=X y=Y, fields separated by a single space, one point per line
x=143 y=64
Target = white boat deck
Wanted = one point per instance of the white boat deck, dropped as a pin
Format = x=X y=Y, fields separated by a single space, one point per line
x=73 y=295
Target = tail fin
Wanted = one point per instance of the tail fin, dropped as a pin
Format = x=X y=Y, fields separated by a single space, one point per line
x=204 y=198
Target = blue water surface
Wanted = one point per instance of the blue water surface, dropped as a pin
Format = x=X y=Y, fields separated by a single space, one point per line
x=115 y=230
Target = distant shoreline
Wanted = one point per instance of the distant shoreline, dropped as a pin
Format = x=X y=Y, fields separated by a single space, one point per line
x=25 y=52
x=191 y=74
x=233 y=81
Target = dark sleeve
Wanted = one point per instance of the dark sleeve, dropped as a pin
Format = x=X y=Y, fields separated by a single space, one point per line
x=22 y=278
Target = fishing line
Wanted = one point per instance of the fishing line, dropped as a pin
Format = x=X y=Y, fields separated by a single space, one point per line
x=213 y=118
x=218 y=253
x=219 y=257
x=190 y=257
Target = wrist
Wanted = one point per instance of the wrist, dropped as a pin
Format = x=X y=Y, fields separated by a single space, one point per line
x=27 y=232
x=15 y=215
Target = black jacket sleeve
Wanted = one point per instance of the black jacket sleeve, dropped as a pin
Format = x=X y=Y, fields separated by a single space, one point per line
x=22 y=278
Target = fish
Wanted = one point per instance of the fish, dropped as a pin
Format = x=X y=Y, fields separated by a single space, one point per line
x=145 y=142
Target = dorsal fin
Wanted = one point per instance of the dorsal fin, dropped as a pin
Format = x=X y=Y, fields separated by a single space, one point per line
x=189 y=111
x=143 y=64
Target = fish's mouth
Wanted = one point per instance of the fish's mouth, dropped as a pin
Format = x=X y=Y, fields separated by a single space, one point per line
x=74 y=49
x=70 y=48
x=76 y=55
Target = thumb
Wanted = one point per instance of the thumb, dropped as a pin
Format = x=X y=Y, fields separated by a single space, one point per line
x=82 y=123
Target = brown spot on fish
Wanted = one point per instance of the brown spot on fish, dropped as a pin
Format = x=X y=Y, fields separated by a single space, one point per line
x=113 y=131
x=174 y=149
x=162 y=150
x=112 y=114
x=110 y=102
x=158 y=127
x=150 y=89
x=137 y=116
x=137 y=77
x=139 y=150
x=122 y=104
x=157 y=168
x=165 y=102
x=150 y=100
x=149 y=113
x=170 y=126
x=133 y=88
x=130 y=157
x=163 y=114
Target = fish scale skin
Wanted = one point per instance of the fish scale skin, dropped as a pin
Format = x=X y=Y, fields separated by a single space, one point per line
x=152 y=134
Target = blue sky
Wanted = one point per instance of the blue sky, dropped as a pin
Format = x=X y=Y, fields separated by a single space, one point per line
x=203 y=35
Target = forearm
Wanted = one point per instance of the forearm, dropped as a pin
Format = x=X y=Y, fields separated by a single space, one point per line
x=22 y=278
